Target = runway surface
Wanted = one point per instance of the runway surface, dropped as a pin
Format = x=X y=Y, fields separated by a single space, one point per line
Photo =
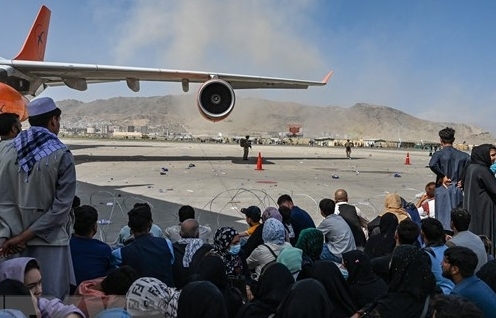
x=115 y=174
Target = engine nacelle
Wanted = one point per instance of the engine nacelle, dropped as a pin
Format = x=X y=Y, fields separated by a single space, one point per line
x=11 y=101
x=215 y=99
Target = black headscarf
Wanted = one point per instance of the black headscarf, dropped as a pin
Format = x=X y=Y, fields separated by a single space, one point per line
x=212 y=269
x=383 y=243
x=306 y=299
x=480 y=155
x=274 y=282
x=330 y=276
x=365 y=286
x=358 y=266
x=201 y=299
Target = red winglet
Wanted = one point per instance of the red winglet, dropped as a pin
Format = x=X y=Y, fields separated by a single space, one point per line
x=327 y=77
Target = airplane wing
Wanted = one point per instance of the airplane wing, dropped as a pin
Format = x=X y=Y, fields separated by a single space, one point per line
x=77 y=76
x=28 y=74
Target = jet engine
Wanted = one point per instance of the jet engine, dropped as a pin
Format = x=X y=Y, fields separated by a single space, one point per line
x=11 y=101
x=215 y=99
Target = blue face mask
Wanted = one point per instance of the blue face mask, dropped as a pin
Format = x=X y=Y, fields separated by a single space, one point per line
x=344 y=272
x=234 y=249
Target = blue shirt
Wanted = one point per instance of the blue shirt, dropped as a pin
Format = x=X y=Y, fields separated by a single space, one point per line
x=436 y=254
x=300 y=220
x=90 y=258
x=478 y=292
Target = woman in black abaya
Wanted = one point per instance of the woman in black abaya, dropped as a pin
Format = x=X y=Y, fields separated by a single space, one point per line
x=306 y=299
x=328 y=273
x=412 y=284
x=365 y=286
x=479 y=191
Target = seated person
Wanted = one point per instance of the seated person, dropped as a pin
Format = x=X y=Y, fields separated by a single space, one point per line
x=27 y=271
x=426 y=203
x=104 y=293
x=17 y=297
x=253 y=216
x=186 y=212
x=150 y=256
x=188 y=252
x=90 y=257
x=125 y=236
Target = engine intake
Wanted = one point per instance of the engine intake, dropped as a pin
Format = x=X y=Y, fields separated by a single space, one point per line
x=215 y=99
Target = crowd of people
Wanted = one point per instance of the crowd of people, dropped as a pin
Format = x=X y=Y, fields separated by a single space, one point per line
x=432 y=258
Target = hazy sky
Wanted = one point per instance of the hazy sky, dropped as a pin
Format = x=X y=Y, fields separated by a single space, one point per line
x=431 y=59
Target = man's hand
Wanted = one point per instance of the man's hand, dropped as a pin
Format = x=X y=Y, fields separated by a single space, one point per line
x=16 y=244
x=12 y=246
x=446 y=182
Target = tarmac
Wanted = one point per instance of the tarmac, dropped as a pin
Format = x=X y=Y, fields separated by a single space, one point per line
x=115 y=174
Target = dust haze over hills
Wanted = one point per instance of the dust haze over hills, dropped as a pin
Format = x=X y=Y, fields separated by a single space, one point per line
x=179 y=114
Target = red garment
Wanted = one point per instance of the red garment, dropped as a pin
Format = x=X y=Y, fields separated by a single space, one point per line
x=91 y=300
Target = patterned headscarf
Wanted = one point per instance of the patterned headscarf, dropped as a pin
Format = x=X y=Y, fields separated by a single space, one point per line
x=149 y=296
x=311 y=241
x=34 y=144
x=222 y=239
x=273 y=232
x=410 y=272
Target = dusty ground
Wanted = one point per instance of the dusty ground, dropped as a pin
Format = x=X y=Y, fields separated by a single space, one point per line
x=113 y=175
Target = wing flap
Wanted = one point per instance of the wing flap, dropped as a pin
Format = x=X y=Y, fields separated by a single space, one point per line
x=54 y=74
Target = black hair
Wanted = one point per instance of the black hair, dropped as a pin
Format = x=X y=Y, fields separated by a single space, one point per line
x=76 y=202
x=284 y=198
x=433 y=231
x=454 y=306
x=140 y=218
x=42 y=120
x=32 y=264
x=119 y=280
x=186 y=212
x=7 y=120
x=460 y=218
x=286 y=214
x=408 y=232
x=12 y=287
x=447 y=135
x=327 y=206
x=462 y=257
x=85 y=219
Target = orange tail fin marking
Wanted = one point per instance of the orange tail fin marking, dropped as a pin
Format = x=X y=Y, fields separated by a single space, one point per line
x=34 y=46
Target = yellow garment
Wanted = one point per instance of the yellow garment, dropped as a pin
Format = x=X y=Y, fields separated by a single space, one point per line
x=252 y=229
x=393 y=205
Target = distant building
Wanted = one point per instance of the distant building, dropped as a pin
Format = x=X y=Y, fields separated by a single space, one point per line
x=130 y=129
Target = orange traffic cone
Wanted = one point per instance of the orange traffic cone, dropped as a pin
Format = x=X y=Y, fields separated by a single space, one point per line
x=259 y=162
x=407 y=159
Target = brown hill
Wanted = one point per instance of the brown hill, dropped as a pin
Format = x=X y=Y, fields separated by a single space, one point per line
x=178 y=113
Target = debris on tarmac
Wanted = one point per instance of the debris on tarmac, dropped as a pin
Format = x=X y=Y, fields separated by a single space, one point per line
x=335 y=176
x=397 y=175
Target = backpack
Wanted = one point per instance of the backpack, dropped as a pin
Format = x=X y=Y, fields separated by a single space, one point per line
x=242 y=143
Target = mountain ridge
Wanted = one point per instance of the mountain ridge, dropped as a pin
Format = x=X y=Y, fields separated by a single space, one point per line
x=253 y=116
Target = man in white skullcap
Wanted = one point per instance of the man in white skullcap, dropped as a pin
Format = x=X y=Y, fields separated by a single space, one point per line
x=38 y=184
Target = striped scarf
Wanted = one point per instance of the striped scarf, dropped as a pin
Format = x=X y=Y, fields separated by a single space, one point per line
x=34 y=144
